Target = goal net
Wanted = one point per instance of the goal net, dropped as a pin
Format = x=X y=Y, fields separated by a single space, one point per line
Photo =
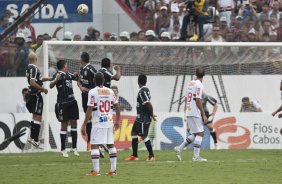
x=168 y=65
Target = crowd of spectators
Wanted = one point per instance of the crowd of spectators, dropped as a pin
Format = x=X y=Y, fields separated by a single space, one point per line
x=163 y=20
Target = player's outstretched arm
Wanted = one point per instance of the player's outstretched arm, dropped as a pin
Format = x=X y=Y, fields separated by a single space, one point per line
x=151 y=110
x=38 y=87
x=46 y=79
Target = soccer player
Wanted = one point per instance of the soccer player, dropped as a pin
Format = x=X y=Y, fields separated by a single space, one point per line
x=108 y=75
x=195 y=114
x=143 y=120
x=34 y=102
x=66 y=107
x=101 y=101
x=280 y=108
x=85 y=83
x=208 y=99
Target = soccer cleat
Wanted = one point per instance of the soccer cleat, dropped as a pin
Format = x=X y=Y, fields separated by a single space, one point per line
x=178 y=153
x=112 y=173
x=33 y=143
x=65 y=153
x=199 y=159
x=74 y=151
x=151 y=158
x=93 y=173
x=216 y=146
x=131 y=158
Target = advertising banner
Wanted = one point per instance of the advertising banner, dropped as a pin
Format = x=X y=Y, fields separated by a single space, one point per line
x=52 y=12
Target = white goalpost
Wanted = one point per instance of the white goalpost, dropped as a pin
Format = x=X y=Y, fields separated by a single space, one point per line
x=169 y=65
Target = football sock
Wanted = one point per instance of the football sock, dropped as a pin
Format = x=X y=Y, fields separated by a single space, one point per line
x=197 y=145
x=213 y=134
x=63 y=136
x=36 y=130
x=113 y=158
x=188 y=140
x=32 y=129
x=74 y=137
x=149 y=146
x=95 y=159
x=134 y=145
x=88 y=130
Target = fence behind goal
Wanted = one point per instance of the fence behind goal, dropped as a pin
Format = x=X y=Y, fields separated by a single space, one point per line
x=169 y=66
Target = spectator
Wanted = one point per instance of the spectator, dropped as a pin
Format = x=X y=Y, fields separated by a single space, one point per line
x=273 y=22
x=29 y=44
x=247 y=11
x=113 y=37
x=77 y=37
x=265 y=28
x=174 y=17
x=252 y=35
x=124 y=36
x=163 y=21
x=248 y=106
x=133 y=36
x=21 y=57
x=141 y=36
x=216 y=37
x=279 y=30
x=199 y=15
x=150 y=35
x=21 y=108
x=67 y=36
x=106 y=36
x=39 y=41
x=97 y=35
x=4 y=23
x=264 y=15
x=175 y=34
x=27 y=29
x=165 y=36
x=90 y=34
x=225 y=8
x=275 y=9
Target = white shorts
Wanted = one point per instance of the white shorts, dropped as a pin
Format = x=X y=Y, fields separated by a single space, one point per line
x=102 y=135
x=195 y=124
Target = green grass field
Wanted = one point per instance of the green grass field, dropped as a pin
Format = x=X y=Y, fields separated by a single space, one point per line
x=223 y=166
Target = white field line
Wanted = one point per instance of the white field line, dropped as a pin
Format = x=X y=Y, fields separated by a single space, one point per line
x=139 y=162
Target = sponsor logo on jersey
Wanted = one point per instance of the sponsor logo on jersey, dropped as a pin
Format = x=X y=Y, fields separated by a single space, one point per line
x=103 y=92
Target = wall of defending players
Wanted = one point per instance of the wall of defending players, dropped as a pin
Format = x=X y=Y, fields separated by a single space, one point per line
x=234 y=131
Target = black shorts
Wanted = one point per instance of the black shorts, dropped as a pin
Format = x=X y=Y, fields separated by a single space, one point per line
x=141 y=129
x=67 y=111
x=84 y=97
x=34 y=103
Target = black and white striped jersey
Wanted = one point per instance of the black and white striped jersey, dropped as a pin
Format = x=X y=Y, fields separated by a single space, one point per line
x=64 y=87
x=86 y=76
x=108 y=76
x=143 y=97
x=33 y=73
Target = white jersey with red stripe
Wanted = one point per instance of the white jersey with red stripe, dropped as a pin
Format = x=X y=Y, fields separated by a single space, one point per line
x=194 y=90
x=102 y=100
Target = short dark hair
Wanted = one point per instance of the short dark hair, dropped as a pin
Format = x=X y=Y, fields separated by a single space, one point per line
x=133 y=34
x=200 y=72
x=99 y=78
x=85 y=57
x=24 y=90
x=106 y=63
x=61 y=64
x=142 y=79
